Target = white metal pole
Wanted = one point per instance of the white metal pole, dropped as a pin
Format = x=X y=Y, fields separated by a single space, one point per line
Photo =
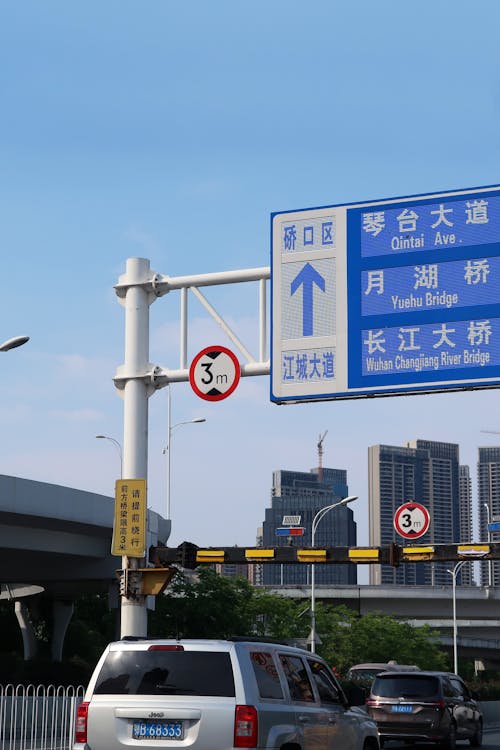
x=454 y=573
x=313 y=592
x=135 y=410
x=118 y=448
x=184 y=328
x=455 y=654
x=169 y=436
x=316 y=520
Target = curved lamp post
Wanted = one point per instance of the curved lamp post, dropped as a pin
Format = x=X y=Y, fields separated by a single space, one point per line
x=13 y=343
x=454 y=573
x=170 y=429
x=118 y=447
x=490 y=562
x=316 y=520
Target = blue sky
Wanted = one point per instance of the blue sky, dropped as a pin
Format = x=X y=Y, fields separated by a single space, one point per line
x=171 y=131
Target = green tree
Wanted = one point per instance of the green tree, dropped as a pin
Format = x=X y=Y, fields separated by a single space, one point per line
x=91 y=628
x=210 y=607
x=350 y=639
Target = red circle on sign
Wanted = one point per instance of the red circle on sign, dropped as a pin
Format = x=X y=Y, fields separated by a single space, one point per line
x=214 y=373
x=412 y=520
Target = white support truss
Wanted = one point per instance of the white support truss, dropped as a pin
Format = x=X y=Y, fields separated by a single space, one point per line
x=158 y=285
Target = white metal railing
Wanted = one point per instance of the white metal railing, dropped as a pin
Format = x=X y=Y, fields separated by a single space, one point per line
x=38 y=717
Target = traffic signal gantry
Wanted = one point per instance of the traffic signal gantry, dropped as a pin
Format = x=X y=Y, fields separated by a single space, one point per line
x=165 y=560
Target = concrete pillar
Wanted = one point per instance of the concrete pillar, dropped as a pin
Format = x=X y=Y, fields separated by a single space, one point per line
x=29 y=641
x=62 y=612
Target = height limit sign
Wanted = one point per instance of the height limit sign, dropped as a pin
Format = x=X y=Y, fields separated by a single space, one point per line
x=214 y=373
x=412 y=520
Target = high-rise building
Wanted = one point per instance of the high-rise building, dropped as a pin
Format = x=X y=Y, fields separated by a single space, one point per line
x=488 y=471
x=465 y=516
x=301 y=495
x=426 y=472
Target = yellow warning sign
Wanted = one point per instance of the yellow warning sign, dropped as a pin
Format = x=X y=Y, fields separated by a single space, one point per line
x=129 y=528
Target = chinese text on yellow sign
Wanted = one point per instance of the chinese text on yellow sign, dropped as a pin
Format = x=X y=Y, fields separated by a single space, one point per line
x=129 y=529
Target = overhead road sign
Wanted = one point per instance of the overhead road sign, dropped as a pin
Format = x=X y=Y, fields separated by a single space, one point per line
x=411 y=520
x=386 y=297
x=214 y=373
x=495 y=526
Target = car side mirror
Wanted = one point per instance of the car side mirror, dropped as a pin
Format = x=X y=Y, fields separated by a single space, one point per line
x=355 y=694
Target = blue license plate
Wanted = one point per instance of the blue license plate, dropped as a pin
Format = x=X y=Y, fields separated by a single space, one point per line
x=403 y=709
x=157 y=730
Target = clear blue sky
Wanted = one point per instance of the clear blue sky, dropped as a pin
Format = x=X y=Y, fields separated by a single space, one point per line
x=171 y=131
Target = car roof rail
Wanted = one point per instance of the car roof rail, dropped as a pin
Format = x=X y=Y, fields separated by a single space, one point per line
x=257 y=639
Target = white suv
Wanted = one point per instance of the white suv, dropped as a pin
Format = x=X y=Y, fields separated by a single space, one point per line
x=217 y=695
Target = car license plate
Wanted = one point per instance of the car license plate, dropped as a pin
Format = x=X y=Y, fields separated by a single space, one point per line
x=402 y=709
x=156 y=730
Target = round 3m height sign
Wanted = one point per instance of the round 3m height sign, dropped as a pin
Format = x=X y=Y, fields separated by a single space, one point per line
x=412 y=520
x=214 y=373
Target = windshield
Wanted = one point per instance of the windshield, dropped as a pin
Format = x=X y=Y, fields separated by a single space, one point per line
x=405 y=687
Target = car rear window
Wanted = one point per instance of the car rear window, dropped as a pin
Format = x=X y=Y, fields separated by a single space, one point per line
x=166 y=673
x=405 y=687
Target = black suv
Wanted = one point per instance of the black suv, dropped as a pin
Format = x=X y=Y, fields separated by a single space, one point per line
x=427 y=706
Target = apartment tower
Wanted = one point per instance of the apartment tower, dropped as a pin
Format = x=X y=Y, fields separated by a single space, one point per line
x=429 y=473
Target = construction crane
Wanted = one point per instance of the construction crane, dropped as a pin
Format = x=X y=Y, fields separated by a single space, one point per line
x=320 y=456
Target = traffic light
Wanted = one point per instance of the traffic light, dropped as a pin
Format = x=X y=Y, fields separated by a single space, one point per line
x=394 y=555
x=187 y=555
x=124 y=584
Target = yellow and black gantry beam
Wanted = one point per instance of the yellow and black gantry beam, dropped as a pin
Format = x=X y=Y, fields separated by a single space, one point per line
x=189 y=555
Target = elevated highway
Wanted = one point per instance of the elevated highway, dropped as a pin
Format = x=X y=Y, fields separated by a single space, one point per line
x=58 y=540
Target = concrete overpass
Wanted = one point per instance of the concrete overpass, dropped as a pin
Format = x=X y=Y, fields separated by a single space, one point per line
x=58 y=540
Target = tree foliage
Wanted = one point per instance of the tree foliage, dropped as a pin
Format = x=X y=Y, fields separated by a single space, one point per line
x=347 y=639
x=212 y=606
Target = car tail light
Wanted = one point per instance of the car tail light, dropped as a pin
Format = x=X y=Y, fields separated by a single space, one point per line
x=439 y=704
x=165 y=647
x=370 y=702
x=82 y=713
x=246 y=726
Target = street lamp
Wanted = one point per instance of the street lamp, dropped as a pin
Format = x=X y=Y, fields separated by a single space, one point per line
x=317 y=518
x=118 y=447
x=13 y=343
x=454 y=573
x=170 y=429
x=488 y=521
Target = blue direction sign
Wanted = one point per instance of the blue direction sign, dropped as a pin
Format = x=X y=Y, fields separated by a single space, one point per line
x=495 y=526
x=386 y=297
